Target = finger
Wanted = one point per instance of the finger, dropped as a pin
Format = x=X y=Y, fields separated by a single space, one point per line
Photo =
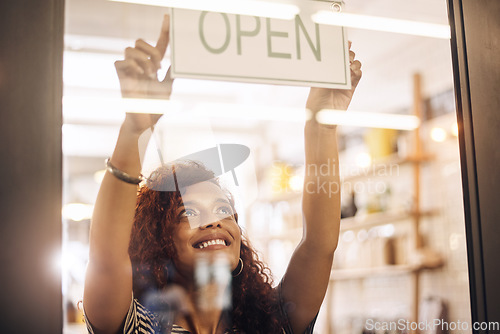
x=356 y=78
x=350 y=43
x=356 y=73
x=142 y=59
x=356 y=65
x=169 y=81
x=164 y=38
x=150 y=50
x=352 y=55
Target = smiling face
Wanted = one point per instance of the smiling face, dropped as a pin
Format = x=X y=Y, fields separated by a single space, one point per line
x=206 y=225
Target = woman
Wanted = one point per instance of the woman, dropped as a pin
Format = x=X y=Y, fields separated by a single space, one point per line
x=150 y=241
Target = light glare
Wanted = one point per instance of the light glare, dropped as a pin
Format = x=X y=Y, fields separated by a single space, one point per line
x=252 y=112
x=382 y=24
x=368 y=119
x=454 y=129
x=363 y=160
x=296 y=182
x=77 y=211
x=258 y=8
x=99 y=175
x=438 y=135
x=115 y=107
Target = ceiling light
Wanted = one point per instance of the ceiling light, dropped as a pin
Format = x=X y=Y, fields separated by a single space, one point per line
x=77 y=211
x=368 y=119
x=252 y=112
x=363 y=160
x=438 y=135
x=382 y=24
x=150 y=106
x=74 y=42
x=75 y=109
x=79 y=108
x=272 y=9
x=296 y=183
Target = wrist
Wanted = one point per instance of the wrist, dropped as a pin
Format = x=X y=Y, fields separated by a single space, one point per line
x=130 y=130
x=317 y=126
x=137 y=123
x=122 y=175
x=126 y=155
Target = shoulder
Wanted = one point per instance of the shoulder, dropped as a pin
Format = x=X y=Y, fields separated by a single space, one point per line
x=139 y=318
x=284 y=309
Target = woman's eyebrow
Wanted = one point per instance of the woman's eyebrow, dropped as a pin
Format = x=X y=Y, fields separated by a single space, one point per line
x=194 y=202
x=222 y=200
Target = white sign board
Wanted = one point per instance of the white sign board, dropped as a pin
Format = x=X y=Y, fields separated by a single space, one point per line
x=219 y=46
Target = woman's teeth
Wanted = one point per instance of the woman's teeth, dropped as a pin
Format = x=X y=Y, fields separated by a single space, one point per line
x=211 y=242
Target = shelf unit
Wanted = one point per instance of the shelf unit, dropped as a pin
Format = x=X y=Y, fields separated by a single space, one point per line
x=393 y=159
x=368 y=221
x=361 y=273
x=380 y=218
x=377 y=219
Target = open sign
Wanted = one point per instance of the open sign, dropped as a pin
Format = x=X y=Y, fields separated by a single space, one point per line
x=220 y=46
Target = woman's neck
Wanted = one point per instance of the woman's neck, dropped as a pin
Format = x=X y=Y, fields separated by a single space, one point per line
x=202 y=321
x=201 y=318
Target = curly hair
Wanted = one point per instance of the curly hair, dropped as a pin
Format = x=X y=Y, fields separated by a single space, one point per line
x=152 y=252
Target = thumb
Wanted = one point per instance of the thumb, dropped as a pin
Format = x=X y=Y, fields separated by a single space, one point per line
x=164 y=38
x=168 y=80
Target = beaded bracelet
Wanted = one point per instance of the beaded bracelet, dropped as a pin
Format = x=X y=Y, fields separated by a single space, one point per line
x=121 y=175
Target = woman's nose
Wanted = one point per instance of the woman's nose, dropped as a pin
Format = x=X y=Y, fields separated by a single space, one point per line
x=211 y=225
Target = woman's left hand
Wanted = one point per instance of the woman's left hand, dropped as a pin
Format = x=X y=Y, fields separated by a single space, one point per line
x=339 y=99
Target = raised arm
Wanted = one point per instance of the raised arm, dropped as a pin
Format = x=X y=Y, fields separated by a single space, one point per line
x=108 y=283
x=307 y=276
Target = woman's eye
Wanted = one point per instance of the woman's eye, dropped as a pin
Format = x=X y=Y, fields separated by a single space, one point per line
x=188 y=213
x=224 y=210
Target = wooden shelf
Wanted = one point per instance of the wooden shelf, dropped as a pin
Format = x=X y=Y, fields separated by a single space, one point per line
x=381 y=164
x=382 y=169
x=380 y=218
x=354 y=223
x=361 y=273
x=370 y=171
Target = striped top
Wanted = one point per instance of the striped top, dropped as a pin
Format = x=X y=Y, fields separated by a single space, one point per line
x=140 y=320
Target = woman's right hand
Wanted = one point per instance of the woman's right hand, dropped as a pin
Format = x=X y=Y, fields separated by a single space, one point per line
x=138 y=75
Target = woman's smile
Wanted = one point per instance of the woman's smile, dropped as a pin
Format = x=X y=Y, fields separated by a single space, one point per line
x=206 y=224
x=212 y=241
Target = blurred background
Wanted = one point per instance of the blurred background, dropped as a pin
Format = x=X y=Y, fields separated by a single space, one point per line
x=402 y=252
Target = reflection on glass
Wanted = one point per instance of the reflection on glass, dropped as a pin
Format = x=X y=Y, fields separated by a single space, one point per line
x=191 y=262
